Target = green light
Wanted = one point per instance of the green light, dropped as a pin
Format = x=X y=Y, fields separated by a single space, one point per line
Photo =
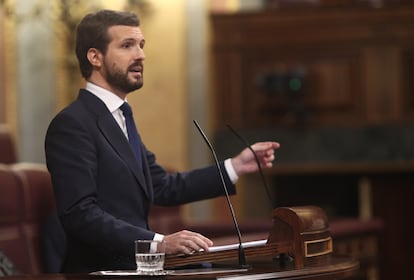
x=295 y=84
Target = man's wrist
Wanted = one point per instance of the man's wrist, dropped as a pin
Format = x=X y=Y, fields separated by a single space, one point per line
x=230 y=171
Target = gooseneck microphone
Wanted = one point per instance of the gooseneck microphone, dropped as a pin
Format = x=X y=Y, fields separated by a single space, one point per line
x=241 y=255
x=247 y=144
x=283 y=257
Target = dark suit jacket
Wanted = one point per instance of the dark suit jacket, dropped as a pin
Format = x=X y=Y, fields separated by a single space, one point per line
x=103 y=200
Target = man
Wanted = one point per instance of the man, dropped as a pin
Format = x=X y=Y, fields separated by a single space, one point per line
x=104 y=186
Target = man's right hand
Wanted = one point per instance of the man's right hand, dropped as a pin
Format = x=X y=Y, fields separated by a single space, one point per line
x=186 y=242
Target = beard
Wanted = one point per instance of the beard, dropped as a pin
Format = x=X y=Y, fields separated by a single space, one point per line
x=119 y=79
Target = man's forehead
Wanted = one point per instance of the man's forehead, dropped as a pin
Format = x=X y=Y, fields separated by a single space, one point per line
x=120 y=32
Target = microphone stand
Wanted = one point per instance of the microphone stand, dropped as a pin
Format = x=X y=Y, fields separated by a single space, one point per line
x=283 y=257
x=247 y=144
x=241 y=254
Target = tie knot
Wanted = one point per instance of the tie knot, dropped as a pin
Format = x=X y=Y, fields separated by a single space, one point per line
x=126 y=109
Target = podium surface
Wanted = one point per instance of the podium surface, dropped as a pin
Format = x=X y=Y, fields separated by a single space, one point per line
x=337 y=268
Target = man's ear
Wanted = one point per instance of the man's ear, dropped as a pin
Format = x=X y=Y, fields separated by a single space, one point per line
x=95 y=57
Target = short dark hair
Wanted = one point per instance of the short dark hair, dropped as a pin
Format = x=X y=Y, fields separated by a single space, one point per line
x=92 y=32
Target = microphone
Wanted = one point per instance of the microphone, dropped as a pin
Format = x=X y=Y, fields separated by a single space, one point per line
x=241 y=254
x=283 y=257
x=247 y=144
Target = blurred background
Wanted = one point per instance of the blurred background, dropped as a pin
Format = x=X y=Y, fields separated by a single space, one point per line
x=332 y=81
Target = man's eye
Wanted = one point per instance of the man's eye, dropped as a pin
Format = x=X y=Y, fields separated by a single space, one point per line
x=126 y=46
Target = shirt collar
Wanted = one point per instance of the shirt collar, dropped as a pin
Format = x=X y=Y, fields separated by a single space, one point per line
x=111 y=100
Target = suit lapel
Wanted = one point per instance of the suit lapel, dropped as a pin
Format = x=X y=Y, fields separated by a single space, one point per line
x=114 y=135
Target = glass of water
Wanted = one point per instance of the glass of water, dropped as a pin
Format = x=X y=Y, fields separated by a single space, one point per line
x=150 y=256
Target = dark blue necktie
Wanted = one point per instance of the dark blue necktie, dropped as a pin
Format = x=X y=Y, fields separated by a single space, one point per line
x=134 y=139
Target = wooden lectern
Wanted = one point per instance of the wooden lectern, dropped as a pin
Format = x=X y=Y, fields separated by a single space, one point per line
x=300 y=232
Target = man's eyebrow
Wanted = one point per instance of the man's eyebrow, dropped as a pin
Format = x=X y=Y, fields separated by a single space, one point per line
x=129 y=39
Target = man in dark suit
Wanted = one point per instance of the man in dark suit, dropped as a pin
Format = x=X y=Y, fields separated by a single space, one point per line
x=105 y=186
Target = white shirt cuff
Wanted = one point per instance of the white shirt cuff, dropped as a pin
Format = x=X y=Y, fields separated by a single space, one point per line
x=158 y=237
x=230 y=171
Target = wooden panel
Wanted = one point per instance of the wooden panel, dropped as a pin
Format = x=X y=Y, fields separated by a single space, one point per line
x=356 y=63
x=331 y=91
x=392 y=201
x=382 y=84
x=227 y=93
x=408 y=83
x=2 y=74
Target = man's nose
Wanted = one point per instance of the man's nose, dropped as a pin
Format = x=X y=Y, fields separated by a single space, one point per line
x=140 y=55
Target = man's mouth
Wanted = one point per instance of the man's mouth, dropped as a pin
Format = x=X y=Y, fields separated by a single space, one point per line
x=136 y=69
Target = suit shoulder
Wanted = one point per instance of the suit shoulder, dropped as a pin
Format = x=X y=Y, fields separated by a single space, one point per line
x=75 y=110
